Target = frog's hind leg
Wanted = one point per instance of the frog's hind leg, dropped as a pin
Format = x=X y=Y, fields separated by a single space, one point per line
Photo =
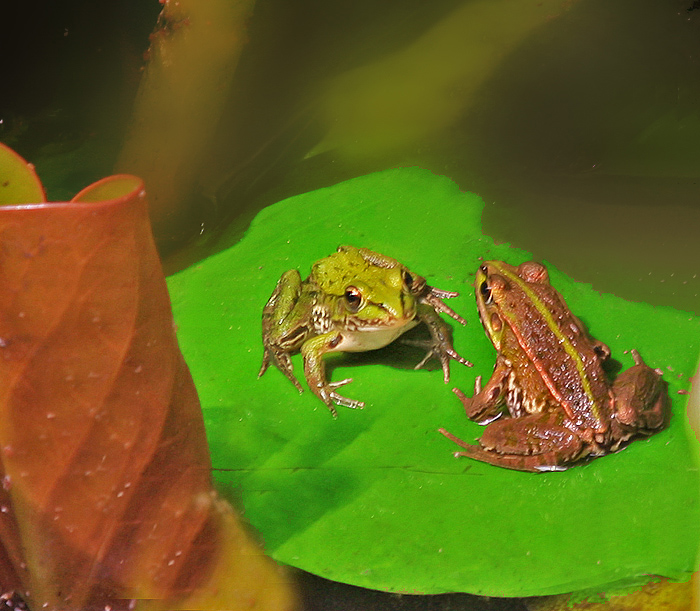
x=642 y=404
x=535 y=442
x=282 y=335
x=282 y=361
x=533 y=463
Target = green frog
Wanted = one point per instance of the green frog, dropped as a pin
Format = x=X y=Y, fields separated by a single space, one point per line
x=354 y=300
x=549 y=377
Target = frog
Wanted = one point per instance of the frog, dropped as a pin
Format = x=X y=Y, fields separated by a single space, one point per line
x=354 y=300
x=549 y=403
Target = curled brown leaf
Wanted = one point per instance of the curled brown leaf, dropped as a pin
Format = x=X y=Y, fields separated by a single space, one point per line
x=106 y=496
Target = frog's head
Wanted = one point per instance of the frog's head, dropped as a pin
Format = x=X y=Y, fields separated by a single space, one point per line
x=502 y=296
x=367 y=292
x=490 y=287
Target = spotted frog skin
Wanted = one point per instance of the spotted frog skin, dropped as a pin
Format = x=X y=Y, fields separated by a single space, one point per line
x=354 y=300
x=549 y=403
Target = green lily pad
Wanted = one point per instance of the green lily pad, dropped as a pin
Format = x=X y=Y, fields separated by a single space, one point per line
x=376 y=498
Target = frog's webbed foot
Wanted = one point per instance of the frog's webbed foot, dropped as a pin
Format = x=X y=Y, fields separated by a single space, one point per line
x=315 y=372
x=282 y=361
x=477 y=410
x=434 y=297
x=440 y=344
x=536 y=442
x=329 y=396
x=344 y=401
x=487 y=403
x=443 y=353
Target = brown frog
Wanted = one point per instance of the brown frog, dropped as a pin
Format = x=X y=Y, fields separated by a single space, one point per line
x=561 y=407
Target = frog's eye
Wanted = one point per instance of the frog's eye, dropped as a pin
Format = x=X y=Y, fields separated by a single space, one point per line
x=414 y=284
x=410 y=282
x=353 y=298
x=485 y=291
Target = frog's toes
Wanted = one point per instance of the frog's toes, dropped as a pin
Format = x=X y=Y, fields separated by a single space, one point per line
x=340 y=399
x=455 y=439
x=329 y=396
x=339 y=384
x=425 y=359
x=456 y=357
x=638 y=360
x=345 y=402
x=266 y=360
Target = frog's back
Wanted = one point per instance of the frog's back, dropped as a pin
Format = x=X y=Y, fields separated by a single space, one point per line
x=561 y=351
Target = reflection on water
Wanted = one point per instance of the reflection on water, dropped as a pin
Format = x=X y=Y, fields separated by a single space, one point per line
x=576 y=122
x=597 y=166
x=583 y=139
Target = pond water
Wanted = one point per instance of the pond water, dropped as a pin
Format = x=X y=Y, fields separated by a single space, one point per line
x=582 y=136
x=579 y=129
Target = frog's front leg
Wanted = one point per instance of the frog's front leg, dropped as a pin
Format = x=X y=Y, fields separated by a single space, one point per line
x=535 y=442
x=441 y=343
x=642 y=405
x=487 y=403
x=315 y=371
